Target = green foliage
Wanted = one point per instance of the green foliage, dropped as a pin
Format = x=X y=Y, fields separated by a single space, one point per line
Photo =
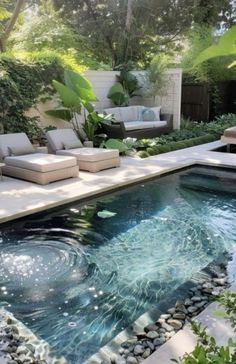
x=123 y=90
x=228 y=301
x=207 y=351
x=118 y=95
x=75 y=93
x=152 y=26
x=115 y=144
x=214 y=69
x=21 y=85
x=193 y=134
x=47 y=57
x=226 y=46
x=143 y=154
x=156 y=80
x=44 y=31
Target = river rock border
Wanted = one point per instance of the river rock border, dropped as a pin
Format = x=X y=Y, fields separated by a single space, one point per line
x=18 y=345
x=141 y=346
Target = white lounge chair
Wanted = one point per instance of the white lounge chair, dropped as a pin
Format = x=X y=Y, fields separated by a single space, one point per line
x=66 y=142
x=21 y=161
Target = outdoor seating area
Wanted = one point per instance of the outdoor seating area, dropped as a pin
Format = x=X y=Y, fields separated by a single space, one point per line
x=117 y=182
x=138 y=122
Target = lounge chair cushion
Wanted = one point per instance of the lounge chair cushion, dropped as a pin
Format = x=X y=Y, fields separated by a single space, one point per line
x=73 y=144
x=136 y=125
x=59 y=137
x=40 y=162
x=230 y=132
x=29 y=149
x=90 y=154
x=15 y=140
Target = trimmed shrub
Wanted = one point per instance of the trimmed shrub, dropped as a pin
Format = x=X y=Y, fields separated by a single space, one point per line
x=143 y=154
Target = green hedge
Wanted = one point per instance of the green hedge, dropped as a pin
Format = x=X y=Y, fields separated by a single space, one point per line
x=164 y=148
x=21 y=85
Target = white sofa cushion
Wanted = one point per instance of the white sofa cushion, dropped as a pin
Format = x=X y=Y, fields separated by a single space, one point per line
x=136 y=125
x=15 y=140
x=126 y=113
x=90 y=154
x=116 y=112
x=59 y=137
x=131 y=113
x=41 y=162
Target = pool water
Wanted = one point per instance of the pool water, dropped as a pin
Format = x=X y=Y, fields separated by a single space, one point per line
x=79 y=275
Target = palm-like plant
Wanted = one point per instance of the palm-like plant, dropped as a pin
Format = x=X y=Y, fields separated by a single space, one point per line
x=75 y=94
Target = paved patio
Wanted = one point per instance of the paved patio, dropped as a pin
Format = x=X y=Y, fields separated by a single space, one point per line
x=20 y=198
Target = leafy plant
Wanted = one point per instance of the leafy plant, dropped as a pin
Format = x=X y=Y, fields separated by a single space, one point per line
x=226 y=46
x=207 y=351
x=21 y=86
x=156 y=80
x=123 y=90
x=76 y=93
x=115 y=144
x=92 y=121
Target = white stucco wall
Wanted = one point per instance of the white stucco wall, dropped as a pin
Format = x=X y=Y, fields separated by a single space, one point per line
x=170 y=103
x=103 y=80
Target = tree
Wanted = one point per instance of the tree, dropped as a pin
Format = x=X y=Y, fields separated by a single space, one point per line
x=226 y=46
x=116 y=32
x=7 y=29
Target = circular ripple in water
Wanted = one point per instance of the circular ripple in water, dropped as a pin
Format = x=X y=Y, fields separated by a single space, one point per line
x=40 y=262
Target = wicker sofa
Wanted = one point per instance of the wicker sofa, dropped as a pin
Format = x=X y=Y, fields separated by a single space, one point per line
x=129 y=123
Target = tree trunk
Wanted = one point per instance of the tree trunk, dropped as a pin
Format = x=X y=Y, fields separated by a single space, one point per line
x=128 y=23
x=10 y=24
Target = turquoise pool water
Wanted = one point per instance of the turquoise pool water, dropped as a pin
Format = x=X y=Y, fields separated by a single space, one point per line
x=79 y=275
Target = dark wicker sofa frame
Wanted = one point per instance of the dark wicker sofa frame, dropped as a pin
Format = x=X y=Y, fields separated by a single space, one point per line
x=117 y=130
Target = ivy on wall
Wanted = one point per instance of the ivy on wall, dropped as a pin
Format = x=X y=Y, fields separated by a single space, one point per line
x=21 y=86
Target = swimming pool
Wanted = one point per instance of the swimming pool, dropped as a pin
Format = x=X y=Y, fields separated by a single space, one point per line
x=79 y=275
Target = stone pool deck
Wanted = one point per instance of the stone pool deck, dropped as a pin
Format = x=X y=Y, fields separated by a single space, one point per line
x=20 y=198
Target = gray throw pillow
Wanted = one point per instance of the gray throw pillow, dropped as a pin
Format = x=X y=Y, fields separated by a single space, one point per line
x=148 y=115
x=73 y=144
x=22 y=150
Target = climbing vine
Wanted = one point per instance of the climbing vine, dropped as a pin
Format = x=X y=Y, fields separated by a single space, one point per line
x=21 y=87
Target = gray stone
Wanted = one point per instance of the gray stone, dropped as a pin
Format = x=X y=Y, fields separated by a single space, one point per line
x=151 y=345
x=159 y=341
x=138 y=349
x=179 y=316
x=146 y=353
x=120 y=361
x=151 y=327
x=176 y=324
x=165 y=316
x=196 y=299
x=131 y=348
x=167 y=327
x=171 y=310
x=192 y=309
x=131 y=360
x=152 y=335
x=188 y=302
x=220 y=281
x=200 y=304
x=181 y=308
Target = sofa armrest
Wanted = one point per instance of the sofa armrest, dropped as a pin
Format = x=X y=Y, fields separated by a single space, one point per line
x=168 y=118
